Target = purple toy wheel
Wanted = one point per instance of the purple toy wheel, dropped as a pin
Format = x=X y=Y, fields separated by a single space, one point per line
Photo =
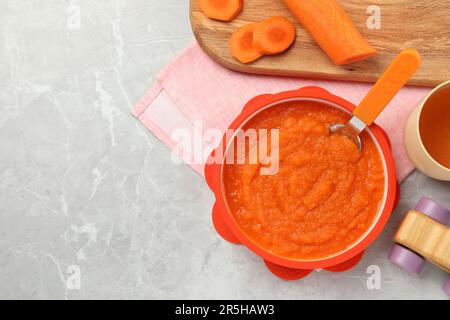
x=406 y=259
x=446 y=286
x=434 y=210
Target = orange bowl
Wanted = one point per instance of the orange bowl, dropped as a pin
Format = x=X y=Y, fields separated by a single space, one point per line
x=291 y=269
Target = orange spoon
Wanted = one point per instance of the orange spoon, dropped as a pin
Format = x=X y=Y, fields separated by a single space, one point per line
x=390 y=83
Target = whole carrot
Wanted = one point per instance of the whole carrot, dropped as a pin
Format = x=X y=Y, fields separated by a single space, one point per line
x=332 y=29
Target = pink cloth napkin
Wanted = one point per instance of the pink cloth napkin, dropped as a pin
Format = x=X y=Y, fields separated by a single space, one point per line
x=193 y=89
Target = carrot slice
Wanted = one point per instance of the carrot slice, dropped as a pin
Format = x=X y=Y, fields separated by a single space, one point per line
x=333 y=30
x=274 y=35
x=224 y=10
x=242 y=46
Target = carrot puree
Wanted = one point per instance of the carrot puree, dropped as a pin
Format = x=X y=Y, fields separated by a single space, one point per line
x=325 y=195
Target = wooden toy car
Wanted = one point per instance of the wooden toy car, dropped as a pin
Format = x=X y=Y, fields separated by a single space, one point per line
x=424 y=235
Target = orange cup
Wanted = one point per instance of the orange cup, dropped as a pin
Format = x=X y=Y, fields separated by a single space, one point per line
x=432 y=114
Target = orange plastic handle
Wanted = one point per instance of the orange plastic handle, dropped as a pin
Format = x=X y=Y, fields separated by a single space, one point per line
x=390 y=83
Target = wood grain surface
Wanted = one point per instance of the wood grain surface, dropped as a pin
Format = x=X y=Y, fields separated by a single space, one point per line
x=426 y=237
x=423 y=25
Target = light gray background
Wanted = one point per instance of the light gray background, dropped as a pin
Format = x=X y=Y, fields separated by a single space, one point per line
x=84 y=185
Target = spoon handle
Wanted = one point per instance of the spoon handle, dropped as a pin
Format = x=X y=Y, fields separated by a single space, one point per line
x=390 y=83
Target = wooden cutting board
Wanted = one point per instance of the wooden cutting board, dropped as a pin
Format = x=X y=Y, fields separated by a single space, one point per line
x=420 y=24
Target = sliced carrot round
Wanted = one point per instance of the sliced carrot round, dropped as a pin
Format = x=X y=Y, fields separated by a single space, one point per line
x=224 y=10
x=274 y=35
x=242 y=46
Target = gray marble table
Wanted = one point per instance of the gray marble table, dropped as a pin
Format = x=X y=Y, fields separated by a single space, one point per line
x=91 y=206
